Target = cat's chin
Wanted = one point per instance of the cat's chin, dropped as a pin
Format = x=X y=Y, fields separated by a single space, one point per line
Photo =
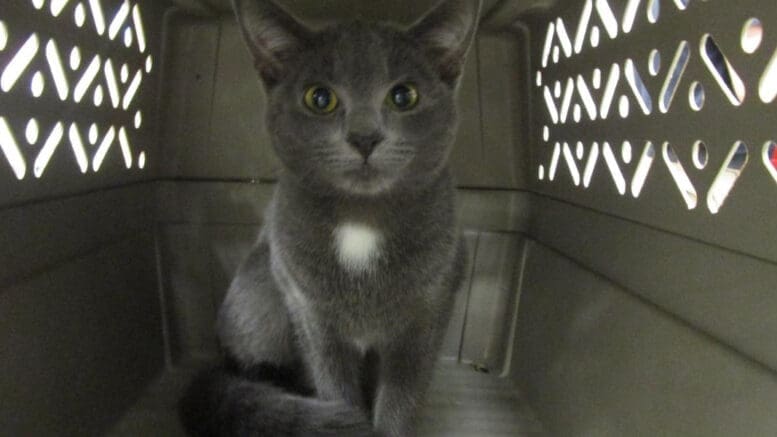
x=365 y=181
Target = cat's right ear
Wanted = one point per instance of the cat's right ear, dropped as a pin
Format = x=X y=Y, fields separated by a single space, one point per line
x=272 y=36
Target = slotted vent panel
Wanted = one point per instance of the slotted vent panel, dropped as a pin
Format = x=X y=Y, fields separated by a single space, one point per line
x=71 y=73
x=684 y=77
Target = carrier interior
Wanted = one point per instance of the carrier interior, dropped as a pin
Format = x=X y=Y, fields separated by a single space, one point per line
x=617 y=176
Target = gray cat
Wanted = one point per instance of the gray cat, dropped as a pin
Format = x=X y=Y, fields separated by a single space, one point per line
x=333 y=323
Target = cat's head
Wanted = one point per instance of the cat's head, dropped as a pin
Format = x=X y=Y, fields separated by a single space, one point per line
x=360 y=108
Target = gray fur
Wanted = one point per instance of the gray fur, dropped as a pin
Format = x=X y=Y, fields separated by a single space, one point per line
x=293 y=301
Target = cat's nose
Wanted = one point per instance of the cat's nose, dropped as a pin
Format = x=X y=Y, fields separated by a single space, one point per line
x=365 y=143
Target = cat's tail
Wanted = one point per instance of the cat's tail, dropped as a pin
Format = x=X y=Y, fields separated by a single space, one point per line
x=219 y=403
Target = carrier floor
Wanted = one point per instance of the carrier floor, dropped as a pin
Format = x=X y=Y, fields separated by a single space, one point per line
x=461 y=402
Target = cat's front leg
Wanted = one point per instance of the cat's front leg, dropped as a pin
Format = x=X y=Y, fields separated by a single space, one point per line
x=334 y=364
x=405 y=372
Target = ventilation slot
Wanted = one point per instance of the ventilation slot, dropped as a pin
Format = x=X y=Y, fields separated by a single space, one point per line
x=680 y=177
x=722 y=71
x=770 y=158
x=676 y=72
x=727 y=177
x=643 y=169
x=590 y=166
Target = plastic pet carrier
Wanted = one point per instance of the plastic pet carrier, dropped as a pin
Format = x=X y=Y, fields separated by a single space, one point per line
x=616 y=166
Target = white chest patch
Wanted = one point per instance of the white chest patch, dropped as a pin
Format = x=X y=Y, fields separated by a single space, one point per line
x=357 y=245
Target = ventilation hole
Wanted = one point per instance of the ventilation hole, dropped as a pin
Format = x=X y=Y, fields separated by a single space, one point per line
x=86 y=80
x=682 y=4
x=124 y=73
x=137 y=19
x=767 y=86
x=56 y=6
x=596 y=80
x=550 y=105
x=19 y=63
x=609 y=90
x=37 y=4
x=538 y=82
x=94 y=134
x=545 y=129
x=133 y=88
x=676 y=72
x=79 y=16
x=102 y=150
x=113 y=87
x=567 y=102
x=11 y=150
x=615 y=171
x=626 y=152
x=624 y=107
x=770 y=158
x=752 y=34
x=680 y=177
x=149 y=64
x=139 y=120
x=37 y=84
x=595 y=37
x=722 y=70
x=653 y=10
x=563 y=36
x=57 y=70
x=727 y=177
x=128 y=38
x=118 y=20
x=585 y=18
x=540 y=172
x=142 y=160
x=78 y=148
x=3 y=36
x=97 y=15
x=75 y=59
x=31 y=132
x=576 y=113
x=696 y=96
x=98 y=96
x=643 y=169
x=638 y=87
x=630 y=15
x=700 y=155
x=554 y=162
x=557 y=89
x=556 y=54
x=608 y=18
x=590 y=165
x=572 y=165
x=49 y=147
x=548 y=43
x=654 y=62
x=588 y=100
x=126 y=150
x=579 y=150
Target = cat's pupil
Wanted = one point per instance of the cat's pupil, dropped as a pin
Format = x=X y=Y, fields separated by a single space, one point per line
x=322 y=98
x=402 y=96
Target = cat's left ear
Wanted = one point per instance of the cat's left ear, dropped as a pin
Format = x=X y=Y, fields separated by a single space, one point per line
x=446 y=33
x=272 y=34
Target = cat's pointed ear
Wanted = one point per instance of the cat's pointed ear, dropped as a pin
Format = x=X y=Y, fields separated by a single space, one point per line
x=446 y=33
x=272 y=35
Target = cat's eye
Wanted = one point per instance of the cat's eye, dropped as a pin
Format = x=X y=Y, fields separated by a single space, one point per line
x=403 y=97
x=320 y=99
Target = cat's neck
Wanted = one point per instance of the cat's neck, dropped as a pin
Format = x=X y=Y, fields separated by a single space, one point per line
x=403 y=196
x=431 y=203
